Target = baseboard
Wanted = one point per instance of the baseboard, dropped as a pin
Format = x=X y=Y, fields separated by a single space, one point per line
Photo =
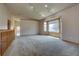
x=71 y=42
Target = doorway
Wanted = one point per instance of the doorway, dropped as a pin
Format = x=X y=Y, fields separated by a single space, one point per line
x=16 y=25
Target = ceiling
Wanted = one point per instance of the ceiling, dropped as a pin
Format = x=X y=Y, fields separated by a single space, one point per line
x=35 y=10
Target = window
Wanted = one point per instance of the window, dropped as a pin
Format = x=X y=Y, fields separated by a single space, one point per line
x=45 y=26
x=53 y=26
x=18 y=30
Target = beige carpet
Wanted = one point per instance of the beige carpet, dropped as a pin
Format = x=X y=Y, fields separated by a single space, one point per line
x=41 y=45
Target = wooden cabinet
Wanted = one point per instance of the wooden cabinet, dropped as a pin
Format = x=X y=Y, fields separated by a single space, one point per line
x=0 y=43
x=6 y=38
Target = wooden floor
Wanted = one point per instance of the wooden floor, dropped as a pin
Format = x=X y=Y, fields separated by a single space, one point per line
x=41 y=46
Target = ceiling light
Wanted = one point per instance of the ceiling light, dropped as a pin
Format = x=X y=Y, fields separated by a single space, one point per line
x=46 y=6
x=52 y=10
x=43 y=15
x=31 y=7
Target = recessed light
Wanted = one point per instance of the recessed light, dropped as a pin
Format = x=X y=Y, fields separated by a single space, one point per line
x=46 y=5
x=43 y=15
x=31 y=7
x=52 y=11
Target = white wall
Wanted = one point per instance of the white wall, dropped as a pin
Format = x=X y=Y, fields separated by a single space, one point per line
x=29 y=27
x=70 y=23
x=4 y=16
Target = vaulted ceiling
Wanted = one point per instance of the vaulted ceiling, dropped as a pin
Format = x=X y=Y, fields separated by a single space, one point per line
x=35 y=10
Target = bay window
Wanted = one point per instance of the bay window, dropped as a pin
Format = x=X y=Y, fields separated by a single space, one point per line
x=53 y=26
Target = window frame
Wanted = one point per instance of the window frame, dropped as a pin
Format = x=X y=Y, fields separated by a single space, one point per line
x=59 y=19
x=46 y=26
x=54 y=20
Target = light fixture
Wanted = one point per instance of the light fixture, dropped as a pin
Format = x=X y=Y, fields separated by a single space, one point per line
x=46 y=5
x=43 y=15
x=52 y=10
x=31 y=7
